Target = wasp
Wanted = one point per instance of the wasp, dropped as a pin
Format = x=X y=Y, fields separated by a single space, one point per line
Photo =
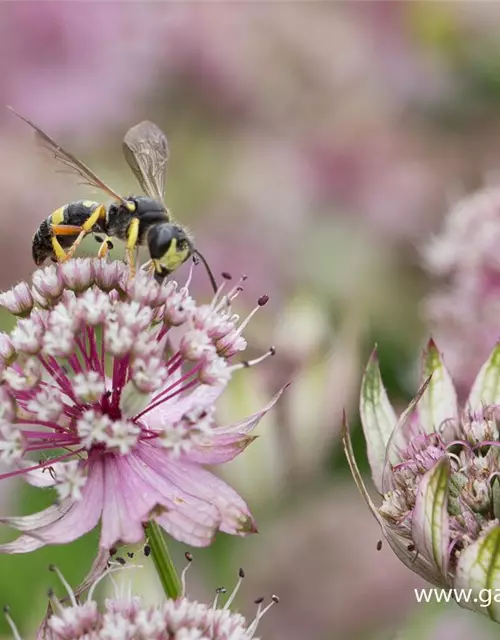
x=137 y=220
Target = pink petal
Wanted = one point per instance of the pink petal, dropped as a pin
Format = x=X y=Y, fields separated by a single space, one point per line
x=127 y=503
x=38 y=477
x=194 y=481
x=41 y=519
x=430 y=520
x=414 y=561
x=486 y=387
x=478 y=572
x=438 y=406
x=82 y=516
x=219 y=450
x=406 y=429
x=188 y=518
x=184 y=530
x=378 y=418
x=98 y=567
x=173 y=410
x=23 y=544
x=356 y=474
x=248 y=424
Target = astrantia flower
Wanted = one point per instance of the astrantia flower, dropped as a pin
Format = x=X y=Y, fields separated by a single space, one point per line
x=437 y=469
x=463 y=308
x=127 y=617
x=108 y=391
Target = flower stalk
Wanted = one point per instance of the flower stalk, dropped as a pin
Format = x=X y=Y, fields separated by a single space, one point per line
x=164 y=566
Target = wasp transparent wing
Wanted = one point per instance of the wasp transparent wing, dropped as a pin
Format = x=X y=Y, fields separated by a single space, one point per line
x=68 y=160
x=146 y=150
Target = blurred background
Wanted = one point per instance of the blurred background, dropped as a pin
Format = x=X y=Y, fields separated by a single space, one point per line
x=318 y=148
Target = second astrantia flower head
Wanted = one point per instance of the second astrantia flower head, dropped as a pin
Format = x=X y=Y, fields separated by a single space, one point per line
x=437 y=468
x=108 y=393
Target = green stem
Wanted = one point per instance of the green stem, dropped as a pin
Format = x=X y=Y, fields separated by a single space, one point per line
x=163 y=562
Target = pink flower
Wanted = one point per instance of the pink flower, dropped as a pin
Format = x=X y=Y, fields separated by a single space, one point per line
x=51 y=76
x=463 y=309
x=123 y=379
x=436 y=468
x=126 y=616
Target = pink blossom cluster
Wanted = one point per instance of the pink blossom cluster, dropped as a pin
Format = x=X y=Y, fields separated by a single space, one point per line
x=108 y=395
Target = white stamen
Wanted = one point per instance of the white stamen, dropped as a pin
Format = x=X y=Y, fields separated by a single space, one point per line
x=13 y=627
x=259 y=615
x=110 y=570
x=251 y=363
x=190 y=276
x=189 y=559
x=241 y=575
x=65 y=584
x=217 y=297
x=218 y=592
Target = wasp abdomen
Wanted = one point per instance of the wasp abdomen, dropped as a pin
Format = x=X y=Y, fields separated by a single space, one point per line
x=72 y=214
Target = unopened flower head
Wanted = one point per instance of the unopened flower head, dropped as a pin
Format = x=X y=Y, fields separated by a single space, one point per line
x=126 y=616
x=437 y=468
x=108 y=387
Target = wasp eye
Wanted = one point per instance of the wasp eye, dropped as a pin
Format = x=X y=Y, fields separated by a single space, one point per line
x=159 y=240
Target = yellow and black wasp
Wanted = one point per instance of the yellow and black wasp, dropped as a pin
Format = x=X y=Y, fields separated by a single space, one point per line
x=137 y=220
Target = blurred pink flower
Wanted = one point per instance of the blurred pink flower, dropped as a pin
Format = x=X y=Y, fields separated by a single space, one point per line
x=463 y=309
x=417 y=73
x=388 y=181
x=79 y=64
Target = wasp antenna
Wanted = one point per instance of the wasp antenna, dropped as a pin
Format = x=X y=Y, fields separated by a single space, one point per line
x=209 y=271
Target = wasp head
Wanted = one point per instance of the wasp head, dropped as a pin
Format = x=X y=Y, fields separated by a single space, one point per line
x=169 y=247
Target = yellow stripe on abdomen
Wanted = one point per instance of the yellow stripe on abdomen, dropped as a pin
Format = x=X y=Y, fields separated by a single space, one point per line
x=57 y=217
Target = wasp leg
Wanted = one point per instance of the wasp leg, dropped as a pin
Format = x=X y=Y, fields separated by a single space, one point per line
x=98 y=214
x=106 y=245
x=132 y=235
x=60 y=254
x=149 y=267
x=64 y=230
x=61 y=230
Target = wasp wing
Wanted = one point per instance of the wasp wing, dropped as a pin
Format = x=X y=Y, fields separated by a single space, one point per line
x=146 y=150
x=68 y=160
